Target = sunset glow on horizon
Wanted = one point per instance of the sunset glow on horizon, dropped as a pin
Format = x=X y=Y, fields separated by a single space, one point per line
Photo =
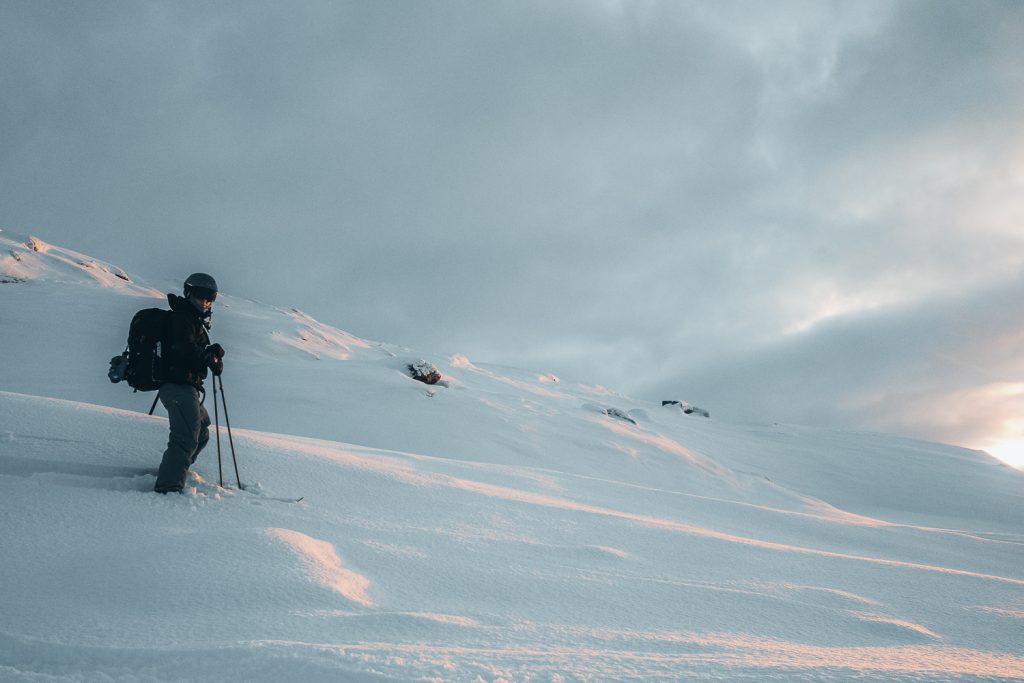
x=1011 y=452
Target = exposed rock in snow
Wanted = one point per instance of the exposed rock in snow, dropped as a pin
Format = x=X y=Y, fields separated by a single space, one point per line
x=687 y=408
x=425 y=372
x=616 y=413
x=619 y=414
x=36 y=244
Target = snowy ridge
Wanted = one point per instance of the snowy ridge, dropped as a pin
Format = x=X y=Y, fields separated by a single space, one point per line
x=25 y=258
x=507 y=526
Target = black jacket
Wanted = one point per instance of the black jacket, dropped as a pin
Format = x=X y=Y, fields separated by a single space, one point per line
x=185 y=342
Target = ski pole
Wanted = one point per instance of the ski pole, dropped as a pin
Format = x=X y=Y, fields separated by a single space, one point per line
x=153 y=407
x=227 y=421
x=216 y=422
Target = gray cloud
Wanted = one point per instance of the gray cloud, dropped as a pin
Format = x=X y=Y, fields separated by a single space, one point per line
x=647 y=195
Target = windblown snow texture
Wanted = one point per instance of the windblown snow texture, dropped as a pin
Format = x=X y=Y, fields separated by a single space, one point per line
x=506 y=526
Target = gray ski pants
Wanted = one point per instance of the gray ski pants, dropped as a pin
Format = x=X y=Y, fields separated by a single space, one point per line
x=190 y=430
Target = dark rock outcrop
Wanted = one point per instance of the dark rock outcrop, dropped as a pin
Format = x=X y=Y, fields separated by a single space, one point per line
x=422 y=371
x=619 y=414
x=687 y=408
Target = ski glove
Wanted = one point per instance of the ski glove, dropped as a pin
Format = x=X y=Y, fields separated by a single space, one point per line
x=213 y=358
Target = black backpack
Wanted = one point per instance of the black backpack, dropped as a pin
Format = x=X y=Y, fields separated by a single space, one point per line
x=141 y=364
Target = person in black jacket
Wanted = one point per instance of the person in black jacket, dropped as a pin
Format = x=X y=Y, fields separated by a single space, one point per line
x=187 y=355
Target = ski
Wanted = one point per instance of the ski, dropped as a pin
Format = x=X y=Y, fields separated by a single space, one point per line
x=279 y=499
x=283 y=500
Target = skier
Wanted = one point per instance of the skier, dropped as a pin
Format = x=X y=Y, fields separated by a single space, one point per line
x=187 y=354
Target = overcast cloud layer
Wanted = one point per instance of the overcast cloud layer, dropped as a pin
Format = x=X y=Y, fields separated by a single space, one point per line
x=797 y=211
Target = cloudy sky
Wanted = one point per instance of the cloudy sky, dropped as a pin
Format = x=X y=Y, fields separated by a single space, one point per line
x=807 y=212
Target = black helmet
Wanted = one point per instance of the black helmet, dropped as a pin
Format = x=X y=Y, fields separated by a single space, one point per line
x=201 y=285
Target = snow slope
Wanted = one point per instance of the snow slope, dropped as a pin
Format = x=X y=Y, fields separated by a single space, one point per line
x=502 y=527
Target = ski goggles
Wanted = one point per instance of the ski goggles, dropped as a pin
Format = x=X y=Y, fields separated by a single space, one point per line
x=203 y=293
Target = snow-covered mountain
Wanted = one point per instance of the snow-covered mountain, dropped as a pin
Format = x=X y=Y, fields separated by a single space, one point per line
x=501 y=525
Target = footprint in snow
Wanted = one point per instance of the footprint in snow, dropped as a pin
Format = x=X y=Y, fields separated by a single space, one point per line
x=79 y=475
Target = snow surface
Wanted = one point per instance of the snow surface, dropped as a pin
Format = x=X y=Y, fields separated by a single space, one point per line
x=506 y=526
